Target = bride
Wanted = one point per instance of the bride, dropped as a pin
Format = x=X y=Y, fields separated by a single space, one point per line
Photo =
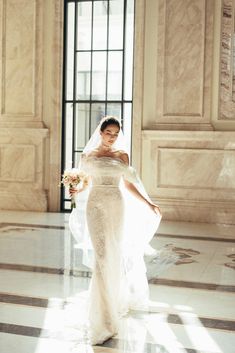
x=119 y=218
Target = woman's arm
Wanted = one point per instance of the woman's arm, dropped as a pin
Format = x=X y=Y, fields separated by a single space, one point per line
x=131 y=187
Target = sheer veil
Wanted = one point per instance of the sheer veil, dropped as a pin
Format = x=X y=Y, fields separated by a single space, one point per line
x=94 y=142
x=140 y=225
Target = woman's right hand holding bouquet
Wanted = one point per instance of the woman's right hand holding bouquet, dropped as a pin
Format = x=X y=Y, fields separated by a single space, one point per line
x=73 y=190
x=77 y=181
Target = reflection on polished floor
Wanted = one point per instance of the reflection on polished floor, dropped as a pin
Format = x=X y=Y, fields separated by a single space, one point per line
x=192 y=302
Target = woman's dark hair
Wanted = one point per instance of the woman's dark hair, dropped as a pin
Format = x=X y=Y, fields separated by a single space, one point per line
x=110 y=120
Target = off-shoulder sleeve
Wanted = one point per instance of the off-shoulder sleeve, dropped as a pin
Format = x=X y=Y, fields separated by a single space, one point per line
x=130 y=174
x=84 y=164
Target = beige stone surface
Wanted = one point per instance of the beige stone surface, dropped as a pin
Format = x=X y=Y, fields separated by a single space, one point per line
x=191 y=174
x=187 y=109
x=30 y=104
x=178 y=64
x=21 y=60
x=22 y=169
x=17 y=163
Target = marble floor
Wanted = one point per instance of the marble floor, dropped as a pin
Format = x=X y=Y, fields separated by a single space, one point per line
x=192 y=303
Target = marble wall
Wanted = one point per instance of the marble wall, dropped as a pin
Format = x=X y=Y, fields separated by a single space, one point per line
x=184 y=112
x=30 y=76
x=184 y=121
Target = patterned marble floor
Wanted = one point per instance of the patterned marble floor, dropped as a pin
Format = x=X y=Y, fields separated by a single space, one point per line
x=192 y=303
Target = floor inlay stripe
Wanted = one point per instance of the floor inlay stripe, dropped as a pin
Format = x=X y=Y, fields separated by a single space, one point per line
x=156 y=281
x=194 y=285
x=218 y=324
x=31 y=301
x=194 y=237
x=160 y=235
x=212 y=323
x=40 y=269
x=28 y=225
x=129 y=346
x=28 y=331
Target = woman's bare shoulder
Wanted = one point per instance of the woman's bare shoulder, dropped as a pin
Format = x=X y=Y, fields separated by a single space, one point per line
x=123 y=156
x=90 y=154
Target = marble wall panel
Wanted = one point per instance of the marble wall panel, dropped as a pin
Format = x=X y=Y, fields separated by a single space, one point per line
x=192 y=174
x=183 y=57
x=182 y=49
x=21 y=63
x=17 y=163
x=201 y=168
x=22 y=170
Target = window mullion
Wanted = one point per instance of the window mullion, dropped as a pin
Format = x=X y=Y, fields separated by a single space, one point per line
x=91 y=72
x=107 y=58
x=74 y=82
x=123 y=55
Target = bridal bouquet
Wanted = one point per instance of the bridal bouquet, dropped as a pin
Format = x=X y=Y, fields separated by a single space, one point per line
x=72 y=178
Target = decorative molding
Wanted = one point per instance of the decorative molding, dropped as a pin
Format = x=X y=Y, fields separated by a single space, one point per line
x=187 y=210
x=52 y=96
x=227 y=64
x=138 y=78
x=190 y=166
x=191 y=174
x=178 y=47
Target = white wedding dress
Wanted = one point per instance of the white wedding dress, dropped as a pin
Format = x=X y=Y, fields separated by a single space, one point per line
x=119 y=227
x=105 y=220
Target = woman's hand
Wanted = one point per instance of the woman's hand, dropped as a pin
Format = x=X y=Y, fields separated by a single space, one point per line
x=73 y=191
x=155 y=208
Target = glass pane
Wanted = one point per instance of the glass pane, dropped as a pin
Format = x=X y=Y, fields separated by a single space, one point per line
x=128 y=74
x=127 y=124
x=97 y=113
x=83 y=75
x=66 y=192
x=82 y=125
x=98 y=75
x=114 y=75
x=67 y=205
x=70 y=51
x=116 y=18
x=84 y=26
x=68 y=135
x=77 y=159
x=100 y=25
x=114 y=109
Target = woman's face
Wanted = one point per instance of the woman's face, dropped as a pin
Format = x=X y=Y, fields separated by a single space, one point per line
x=109 y=135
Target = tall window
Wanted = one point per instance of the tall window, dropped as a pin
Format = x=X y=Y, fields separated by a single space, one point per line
x=98 y=66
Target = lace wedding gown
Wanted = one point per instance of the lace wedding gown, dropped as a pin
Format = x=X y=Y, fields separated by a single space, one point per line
x=118 y=240
x=105 y=220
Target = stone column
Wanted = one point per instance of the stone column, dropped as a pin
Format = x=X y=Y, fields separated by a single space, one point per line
x=30 y=104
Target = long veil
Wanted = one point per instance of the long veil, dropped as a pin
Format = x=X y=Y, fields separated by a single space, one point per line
x=140 y=225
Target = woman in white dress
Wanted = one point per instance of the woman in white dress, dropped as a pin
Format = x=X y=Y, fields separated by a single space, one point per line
x=118 y=272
